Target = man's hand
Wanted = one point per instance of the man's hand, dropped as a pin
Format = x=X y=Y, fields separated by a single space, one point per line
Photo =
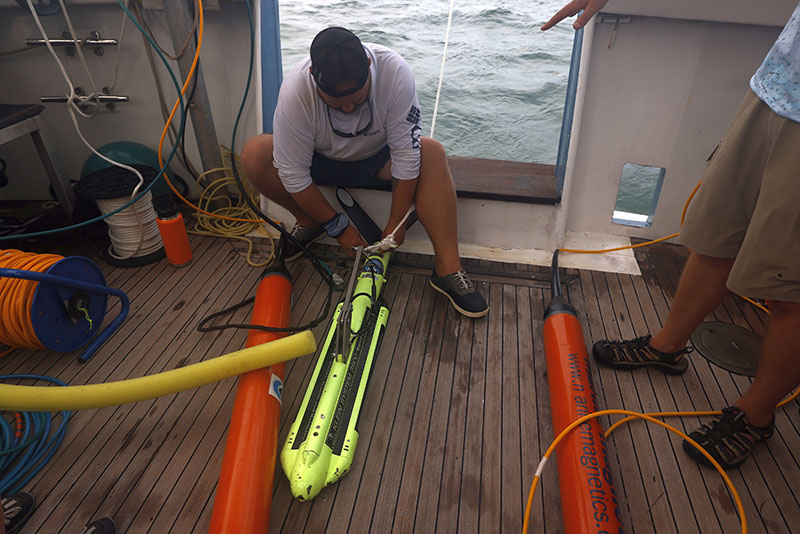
x=399 y=236
x=589 y=7
x=349 y=239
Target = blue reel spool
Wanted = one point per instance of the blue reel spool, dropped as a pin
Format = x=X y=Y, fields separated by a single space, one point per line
x=64 y=332
x=69 y=305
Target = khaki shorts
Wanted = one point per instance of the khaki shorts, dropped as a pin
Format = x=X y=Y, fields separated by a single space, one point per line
x=748 y=206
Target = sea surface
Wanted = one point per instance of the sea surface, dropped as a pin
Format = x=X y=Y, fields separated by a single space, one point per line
x=504 y=81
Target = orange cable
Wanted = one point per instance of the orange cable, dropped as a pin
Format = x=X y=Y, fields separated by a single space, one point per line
x=683 y=216
x=172 y=114
x=16 y=298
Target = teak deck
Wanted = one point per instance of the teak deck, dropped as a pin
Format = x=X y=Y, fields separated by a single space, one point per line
x=454 y=423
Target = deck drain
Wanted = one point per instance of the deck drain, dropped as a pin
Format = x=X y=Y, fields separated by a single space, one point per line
x=729 y=346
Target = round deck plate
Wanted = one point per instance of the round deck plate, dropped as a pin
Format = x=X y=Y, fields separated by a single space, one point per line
x=728 y=346
x=52 y=325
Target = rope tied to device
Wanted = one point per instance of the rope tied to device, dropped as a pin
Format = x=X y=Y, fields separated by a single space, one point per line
x=389 y=242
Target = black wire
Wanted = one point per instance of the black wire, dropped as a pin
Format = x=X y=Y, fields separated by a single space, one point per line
x=186 y=115
x=316 y=262
x=181 y=182
x=249 y=300
x=245 y=302
x=555 y=283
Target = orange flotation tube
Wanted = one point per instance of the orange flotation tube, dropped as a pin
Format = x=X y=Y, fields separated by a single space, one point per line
x=588 y=499
x=244 y=493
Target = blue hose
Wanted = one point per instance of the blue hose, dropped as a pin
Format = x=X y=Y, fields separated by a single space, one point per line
x=25 y=451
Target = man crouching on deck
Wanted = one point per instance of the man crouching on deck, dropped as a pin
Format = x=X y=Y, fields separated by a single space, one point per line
x=348 y=115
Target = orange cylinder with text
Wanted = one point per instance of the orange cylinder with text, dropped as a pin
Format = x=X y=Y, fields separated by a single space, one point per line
x=588 y=498
x=244 y=493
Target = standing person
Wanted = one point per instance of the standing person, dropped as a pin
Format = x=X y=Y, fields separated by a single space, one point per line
x=743 y=228
x=348 y=115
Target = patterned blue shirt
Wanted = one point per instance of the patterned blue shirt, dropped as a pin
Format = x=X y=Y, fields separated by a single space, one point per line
x=777 y=80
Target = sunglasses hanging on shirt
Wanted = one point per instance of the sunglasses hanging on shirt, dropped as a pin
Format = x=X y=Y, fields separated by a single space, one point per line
x=350 y=134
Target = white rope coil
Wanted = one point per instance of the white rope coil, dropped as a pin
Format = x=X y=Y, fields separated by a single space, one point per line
x=134 y=230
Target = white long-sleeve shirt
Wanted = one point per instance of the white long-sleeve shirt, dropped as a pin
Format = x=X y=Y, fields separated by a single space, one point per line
x=301 y=125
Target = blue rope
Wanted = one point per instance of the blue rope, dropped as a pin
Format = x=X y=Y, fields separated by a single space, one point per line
x=23 y=456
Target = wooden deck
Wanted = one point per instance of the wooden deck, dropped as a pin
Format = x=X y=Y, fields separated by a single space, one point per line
x=454 y=423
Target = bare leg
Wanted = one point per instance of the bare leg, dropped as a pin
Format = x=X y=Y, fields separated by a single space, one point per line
x=257 y=164
x=435 y=200
x=435 y=197
x=778 y=369
x=700 y=290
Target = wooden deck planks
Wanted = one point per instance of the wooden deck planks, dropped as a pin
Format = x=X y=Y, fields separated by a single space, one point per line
x=133 y=426
x=457 y=432
x=546 y=510
x=446 y=395
x=469 y=497
x=422 y=436
x=455 y=421
x=80 y=457
x=394 y=360
x=384 y=509
x=373 y=418
x=490 y=467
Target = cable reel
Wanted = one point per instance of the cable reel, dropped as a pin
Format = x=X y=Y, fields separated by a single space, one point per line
x=67 y=307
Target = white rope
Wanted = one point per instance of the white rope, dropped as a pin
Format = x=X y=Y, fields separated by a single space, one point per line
x=388 y=243
x=441 y=71
x=72 y=105
x=134 y=230
x=91 y=98
x=119 y=50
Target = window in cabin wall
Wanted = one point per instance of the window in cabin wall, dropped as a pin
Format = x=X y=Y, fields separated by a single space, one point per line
x=637 y=195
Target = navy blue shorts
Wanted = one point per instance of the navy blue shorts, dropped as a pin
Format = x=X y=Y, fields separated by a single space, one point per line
x=361 y=173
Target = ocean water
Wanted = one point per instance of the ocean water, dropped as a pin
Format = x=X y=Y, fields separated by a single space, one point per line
x=504 y=81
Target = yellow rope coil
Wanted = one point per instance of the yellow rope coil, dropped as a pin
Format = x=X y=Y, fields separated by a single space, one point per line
x=227 y=221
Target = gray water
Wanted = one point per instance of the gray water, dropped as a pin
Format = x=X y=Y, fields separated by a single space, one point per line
x=504 y=82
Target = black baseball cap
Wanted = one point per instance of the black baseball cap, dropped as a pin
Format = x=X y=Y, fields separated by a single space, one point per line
x=337 y=56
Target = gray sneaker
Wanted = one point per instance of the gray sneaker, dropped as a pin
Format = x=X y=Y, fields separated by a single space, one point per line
x=462 y=294
x=305 y=235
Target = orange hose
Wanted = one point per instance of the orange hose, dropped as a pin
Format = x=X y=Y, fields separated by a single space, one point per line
x=16 y=298
x=683 y=216
x=172 y=114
